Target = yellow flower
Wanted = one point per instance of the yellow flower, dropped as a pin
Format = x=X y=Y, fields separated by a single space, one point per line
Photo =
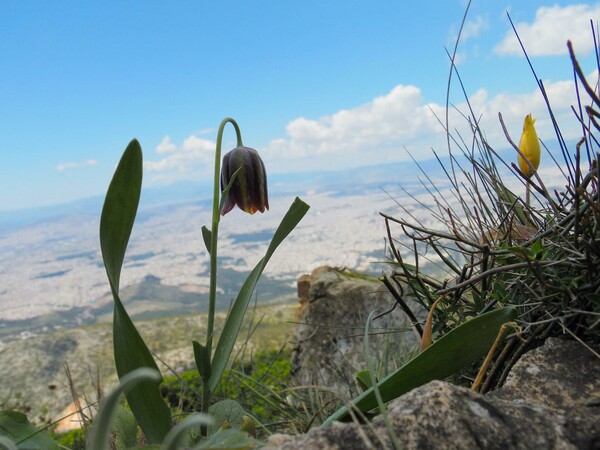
x=529 y=146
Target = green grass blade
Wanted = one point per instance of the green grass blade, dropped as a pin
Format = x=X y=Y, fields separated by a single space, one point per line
x=99 y=437
x=7 y=443
x=459 y=348
x=180 y=433
x=17 y=432
x=234 y=320
x=130 y=351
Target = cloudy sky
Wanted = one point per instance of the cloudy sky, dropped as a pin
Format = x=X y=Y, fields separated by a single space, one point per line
x=313 y=84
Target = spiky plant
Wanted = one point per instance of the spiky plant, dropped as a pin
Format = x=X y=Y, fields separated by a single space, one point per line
x=495 y=248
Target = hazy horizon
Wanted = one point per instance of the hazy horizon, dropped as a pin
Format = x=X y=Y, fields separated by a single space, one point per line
x=367 y=84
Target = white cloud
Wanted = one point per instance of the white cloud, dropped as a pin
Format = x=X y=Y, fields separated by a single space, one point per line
x=362 y=135
x=166 y=146
x=192 y=155
x=459 y=58
x=550 y=30
x=76 y=165
x=474 y=28
x=471 y=29
x=514 y=107
x=381 y=131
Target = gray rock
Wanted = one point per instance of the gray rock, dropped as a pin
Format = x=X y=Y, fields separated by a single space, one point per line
x=328 y=345
x=551 y=400
x=543 y=376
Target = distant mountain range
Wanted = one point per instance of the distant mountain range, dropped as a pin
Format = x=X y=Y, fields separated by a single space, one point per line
x=349 y=181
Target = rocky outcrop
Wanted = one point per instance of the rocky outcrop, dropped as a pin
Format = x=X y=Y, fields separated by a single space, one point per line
x=328 y=343
x=550 y=400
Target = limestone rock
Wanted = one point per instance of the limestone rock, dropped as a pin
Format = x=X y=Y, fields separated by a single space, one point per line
x=551 y=400
x=328 y=345
x=303 y=287
x=554 y=375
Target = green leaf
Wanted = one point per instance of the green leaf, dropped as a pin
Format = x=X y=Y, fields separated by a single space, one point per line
x=457 y=349
x=363 y=378
x=225 y=191
x=206 y=237
x=130 y=351
x=202 y=358
x=180 y=433
x=7 y=444
x=206 y=233
x=538 y=250
x=229 y=439
x=118 y=213
x=509 y=198
x=234 y=320
x=228 y=411
x=99 y=436
x=594 y=298
x=124 y=428
x=16 y=429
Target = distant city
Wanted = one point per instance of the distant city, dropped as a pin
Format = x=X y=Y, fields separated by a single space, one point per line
x=51 y=265
x=50 y=260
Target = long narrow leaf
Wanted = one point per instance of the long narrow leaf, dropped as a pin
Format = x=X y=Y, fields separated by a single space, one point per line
x=130 y=351
x=7 y=443
x=119 y=210
x=180 y=433
x=234 y=320
x=16 y=429
x=457 y=349
x=99 y=436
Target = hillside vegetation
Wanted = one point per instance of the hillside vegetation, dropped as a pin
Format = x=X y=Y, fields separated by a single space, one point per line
x=33 y=372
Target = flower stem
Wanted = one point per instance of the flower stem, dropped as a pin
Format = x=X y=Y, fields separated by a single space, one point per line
x=216 y=215
x=527 y=201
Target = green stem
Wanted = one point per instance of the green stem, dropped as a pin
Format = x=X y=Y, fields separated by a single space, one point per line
x=527 y=201
x=212 y=300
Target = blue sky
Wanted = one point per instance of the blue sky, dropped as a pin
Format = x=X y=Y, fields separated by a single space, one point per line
x=313 y=84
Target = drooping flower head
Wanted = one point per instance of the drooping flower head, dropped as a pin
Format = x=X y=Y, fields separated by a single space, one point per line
x=529 y=146
x=249 y=189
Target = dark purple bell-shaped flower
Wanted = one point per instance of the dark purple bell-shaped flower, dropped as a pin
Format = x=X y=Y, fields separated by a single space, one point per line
x=249 y=189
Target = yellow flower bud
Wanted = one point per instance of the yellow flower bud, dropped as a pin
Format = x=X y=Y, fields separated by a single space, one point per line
x=529 y=146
